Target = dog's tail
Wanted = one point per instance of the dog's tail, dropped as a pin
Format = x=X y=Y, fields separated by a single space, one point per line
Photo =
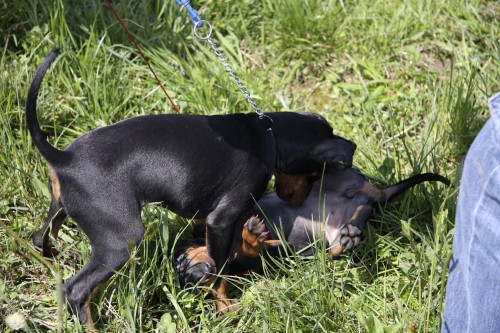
x=391 y=192
x=49 y=152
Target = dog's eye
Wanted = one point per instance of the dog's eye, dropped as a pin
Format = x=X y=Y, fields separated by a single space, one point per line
x=349 y=194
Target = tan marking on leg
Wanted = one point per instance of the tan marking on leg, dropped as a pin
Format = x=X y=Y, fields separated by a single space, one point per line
x=56 y=185
x=90 y=322
x=56 y=225
x=355 y=215
x=251 y=246
x=224 y=305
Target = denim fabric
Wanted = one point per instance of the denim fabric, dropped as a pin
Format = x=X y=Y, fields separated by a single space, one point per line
x=473 y=291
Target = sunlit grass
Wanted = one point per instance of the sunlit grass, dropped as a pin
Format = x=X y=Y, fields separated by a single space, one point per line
x=406 y=80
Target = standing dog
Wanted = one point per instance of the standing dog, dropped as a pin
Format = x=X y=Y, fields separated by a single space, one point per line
x=213 y=167
x=337 y=207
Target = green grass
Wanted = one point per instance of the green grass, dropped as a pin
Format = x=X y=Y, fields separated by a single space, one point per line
x=407 y=80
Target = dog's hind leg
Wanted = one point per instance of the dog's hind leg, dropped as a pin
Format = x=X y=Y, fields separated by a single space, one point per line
x=55 y=219
x=111 y=239
x=220 y=226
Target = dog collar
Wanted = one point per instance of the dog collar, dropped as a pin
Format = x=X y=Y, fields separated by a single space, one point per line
x=266 y=121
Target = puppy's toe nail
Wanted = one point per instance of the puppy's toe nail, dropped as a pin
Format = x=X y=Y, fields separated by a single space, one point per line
x=254 y=221
x=250 y=224
x=263 y=237
x=260 y=228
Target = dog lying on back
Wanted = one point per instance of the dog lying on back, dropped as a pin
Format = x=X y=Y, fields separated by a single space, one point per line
x=346 y=198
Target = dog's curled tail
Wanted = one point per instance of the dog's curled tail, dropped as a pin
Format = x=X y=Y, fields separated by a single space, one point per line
x=391 y=192
x=49 y=152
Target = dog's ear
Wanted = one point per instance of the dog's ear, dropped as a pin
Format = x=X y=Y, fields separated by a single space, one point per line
x=335 y=150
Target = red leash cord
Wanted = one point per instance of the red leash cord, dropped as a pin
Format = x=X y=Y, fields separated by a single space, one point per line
x=142 y=54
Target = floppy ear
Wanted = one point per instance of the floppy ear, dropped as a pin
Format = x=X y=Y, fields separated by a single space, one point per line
x=334 y=150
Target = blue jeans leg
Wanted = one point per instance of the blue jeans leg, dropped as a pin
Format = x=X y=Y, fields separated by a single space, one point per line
x=473 y=290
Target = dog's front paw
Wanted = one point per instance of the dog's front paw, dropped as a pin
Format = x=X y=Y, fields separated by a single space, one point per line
x=350 y=237
x=254 y=234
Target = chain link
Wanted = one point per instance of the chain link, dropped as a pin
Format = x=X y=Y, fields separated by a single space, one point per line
x=240 y=84
x=230 y=70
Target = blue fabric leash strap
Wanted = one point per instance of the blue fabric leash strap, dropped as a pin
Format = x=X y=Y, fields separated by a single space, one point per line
x=192 y=12
x=198 y=22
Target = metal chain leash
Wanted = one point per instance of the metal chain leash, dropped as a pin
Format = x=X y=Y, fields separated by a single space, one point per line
x=236 y=78
x=240 y=84
x=198 y=22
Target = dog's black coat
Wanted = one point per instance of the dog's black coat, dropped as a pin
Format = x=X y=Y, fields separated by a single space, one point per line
x=211 y=167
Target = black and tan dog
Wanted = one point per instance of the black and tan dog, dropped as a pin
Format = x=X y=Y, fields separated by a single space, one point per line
x=337 y=207
x=212 y=167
